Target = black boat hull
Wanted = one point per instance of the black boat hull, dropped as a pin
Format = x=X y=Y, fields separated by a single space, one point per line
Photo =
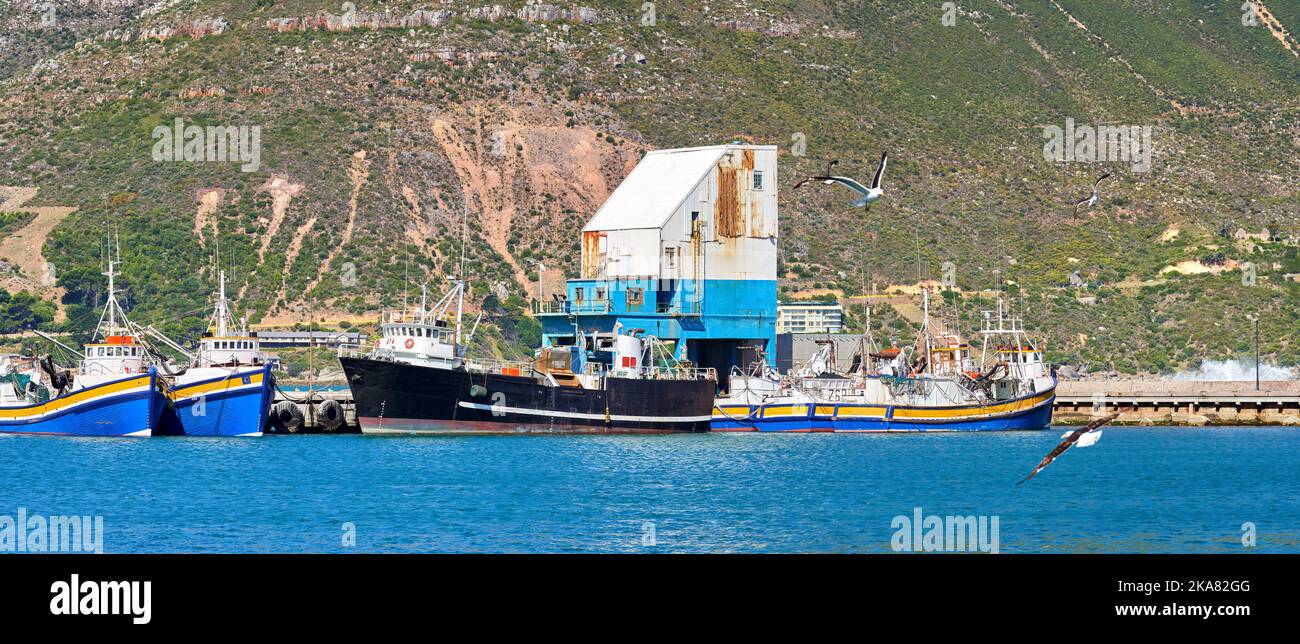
x=396 y=398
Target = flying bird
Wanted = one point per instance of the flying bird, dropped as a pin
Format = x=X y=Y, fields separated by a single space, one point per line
x=869 y=194
x=1074 y=437
x=1091 y=200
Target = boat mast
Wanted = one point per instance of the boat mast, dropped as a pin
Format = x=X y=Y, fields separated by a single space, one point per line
x=925 y=329
x=424 y=290
x=111 y=309
x=460 y=302
x=223 y=313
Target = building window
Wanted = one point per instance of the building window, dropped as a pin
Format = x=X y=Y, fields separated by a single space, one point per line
x=670 y=258
x=635 y=295
x=600 y=293
x=758 y=179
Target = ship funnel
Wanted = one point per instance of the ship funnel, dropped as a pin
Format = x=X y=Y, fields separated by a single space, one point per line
x=628 y=350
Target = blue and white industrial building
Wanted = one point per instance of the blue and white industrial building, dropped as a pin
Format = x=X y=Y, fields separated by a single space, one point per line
x=684 y=249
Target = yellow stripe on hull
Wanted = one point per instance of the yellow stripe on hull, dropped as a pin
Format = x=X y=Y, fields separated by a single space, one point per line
x=59 y=404
x=731 y=410
x=236 y=380
x=853 y=411
x=914 y=413
x=785 y=411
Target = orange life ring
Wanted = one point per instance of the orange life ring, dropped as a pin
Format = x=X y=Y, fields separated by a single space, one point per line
x=410 y=343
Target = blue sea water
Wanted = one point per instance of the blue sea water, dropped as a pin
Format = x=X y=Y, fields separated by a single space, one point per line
x=1137 y=490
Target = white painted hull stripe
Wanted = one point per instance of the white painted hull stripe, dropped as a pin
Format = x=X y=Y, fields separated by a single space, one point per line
x=572 y=414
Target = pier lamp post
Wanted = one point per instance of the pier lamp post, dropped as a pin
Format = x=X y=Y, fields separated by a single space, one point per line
x=1255 y=319
x=1256 y=353
x=540 y=269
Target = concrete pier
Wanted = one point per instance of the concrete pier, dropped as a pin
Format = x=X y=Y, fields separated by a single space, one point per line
x=1145 y=402
x=300 y=412
x=1194 y=403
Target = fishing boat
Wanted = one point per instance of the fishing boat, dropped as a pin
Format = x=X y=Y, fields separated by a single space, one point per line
x=115 y=391
x=227 y=388
x=935 y=386
x=418 y=380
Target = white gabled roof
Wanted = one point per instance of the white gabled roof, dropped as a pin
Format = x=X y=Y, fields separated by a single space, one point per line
x=655 y=188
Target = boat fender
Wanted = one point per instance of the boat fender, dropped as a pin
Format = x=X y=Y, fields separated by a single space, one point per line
x=287 y=415
x=330 y=415
x=477 y=391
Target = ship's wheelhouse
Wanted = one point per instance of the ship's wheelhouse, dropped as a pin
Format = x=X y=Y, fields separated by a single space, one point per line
x=230 y=350
x=419 y=339
x=118 y=354
x=949 y=354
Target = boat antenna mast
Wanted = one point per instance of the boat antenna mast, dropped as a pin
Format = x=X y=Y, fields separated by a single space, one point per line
x=223 y=319
x=108 y=320
x=460 y=280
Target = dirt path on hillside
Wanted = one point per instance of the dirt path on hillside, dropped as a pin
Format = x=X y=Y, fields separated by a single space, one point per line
x=1275 y=27
x=23 y=249
x=209 y=201
x=282 y=192
x=1159 y=93
x=359 y=173
x=295 y=247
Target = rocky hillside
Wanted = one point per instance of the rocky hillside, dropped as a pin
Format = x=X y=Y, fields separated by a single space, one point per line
x=378 y=125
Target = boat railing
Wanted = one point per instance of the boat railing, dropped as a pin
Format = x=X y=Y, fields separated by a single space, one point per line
x=831 y=384
x=349 y=350
x=603 y=370
x=564 y=307
x=679 y=308
x=94 y=368
x=679 y=373
x=500 y=367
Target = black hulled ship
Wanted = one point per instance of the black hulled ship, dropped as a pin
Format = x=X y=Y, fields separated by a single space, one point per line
x=416 y=380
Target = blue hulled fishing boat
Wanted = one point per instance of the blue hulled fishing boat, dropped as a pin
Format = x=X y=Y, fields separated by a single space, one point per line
x=114 y=391
x=935 y=386
x=228 y=387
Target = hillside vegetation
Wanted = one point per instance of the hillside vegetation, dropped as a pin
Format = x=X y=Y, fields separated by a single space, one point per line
x=387 y=134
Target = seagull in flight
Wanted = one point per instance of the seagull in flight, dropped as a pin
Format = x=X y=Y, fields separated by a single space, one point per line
x=1085 y=436
x=869 y=194
x=1091 y=200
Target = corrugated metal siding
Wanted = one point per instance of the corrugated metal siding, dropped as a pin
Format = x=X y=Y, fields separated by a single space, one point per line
x=655 y=189
x=729 y=237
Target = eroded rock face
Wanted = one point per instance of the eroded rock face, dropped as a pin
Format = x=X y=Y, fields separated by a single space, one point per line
x=193 y=29
x=781 y=29
x=537 y=13
x=348 y=22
